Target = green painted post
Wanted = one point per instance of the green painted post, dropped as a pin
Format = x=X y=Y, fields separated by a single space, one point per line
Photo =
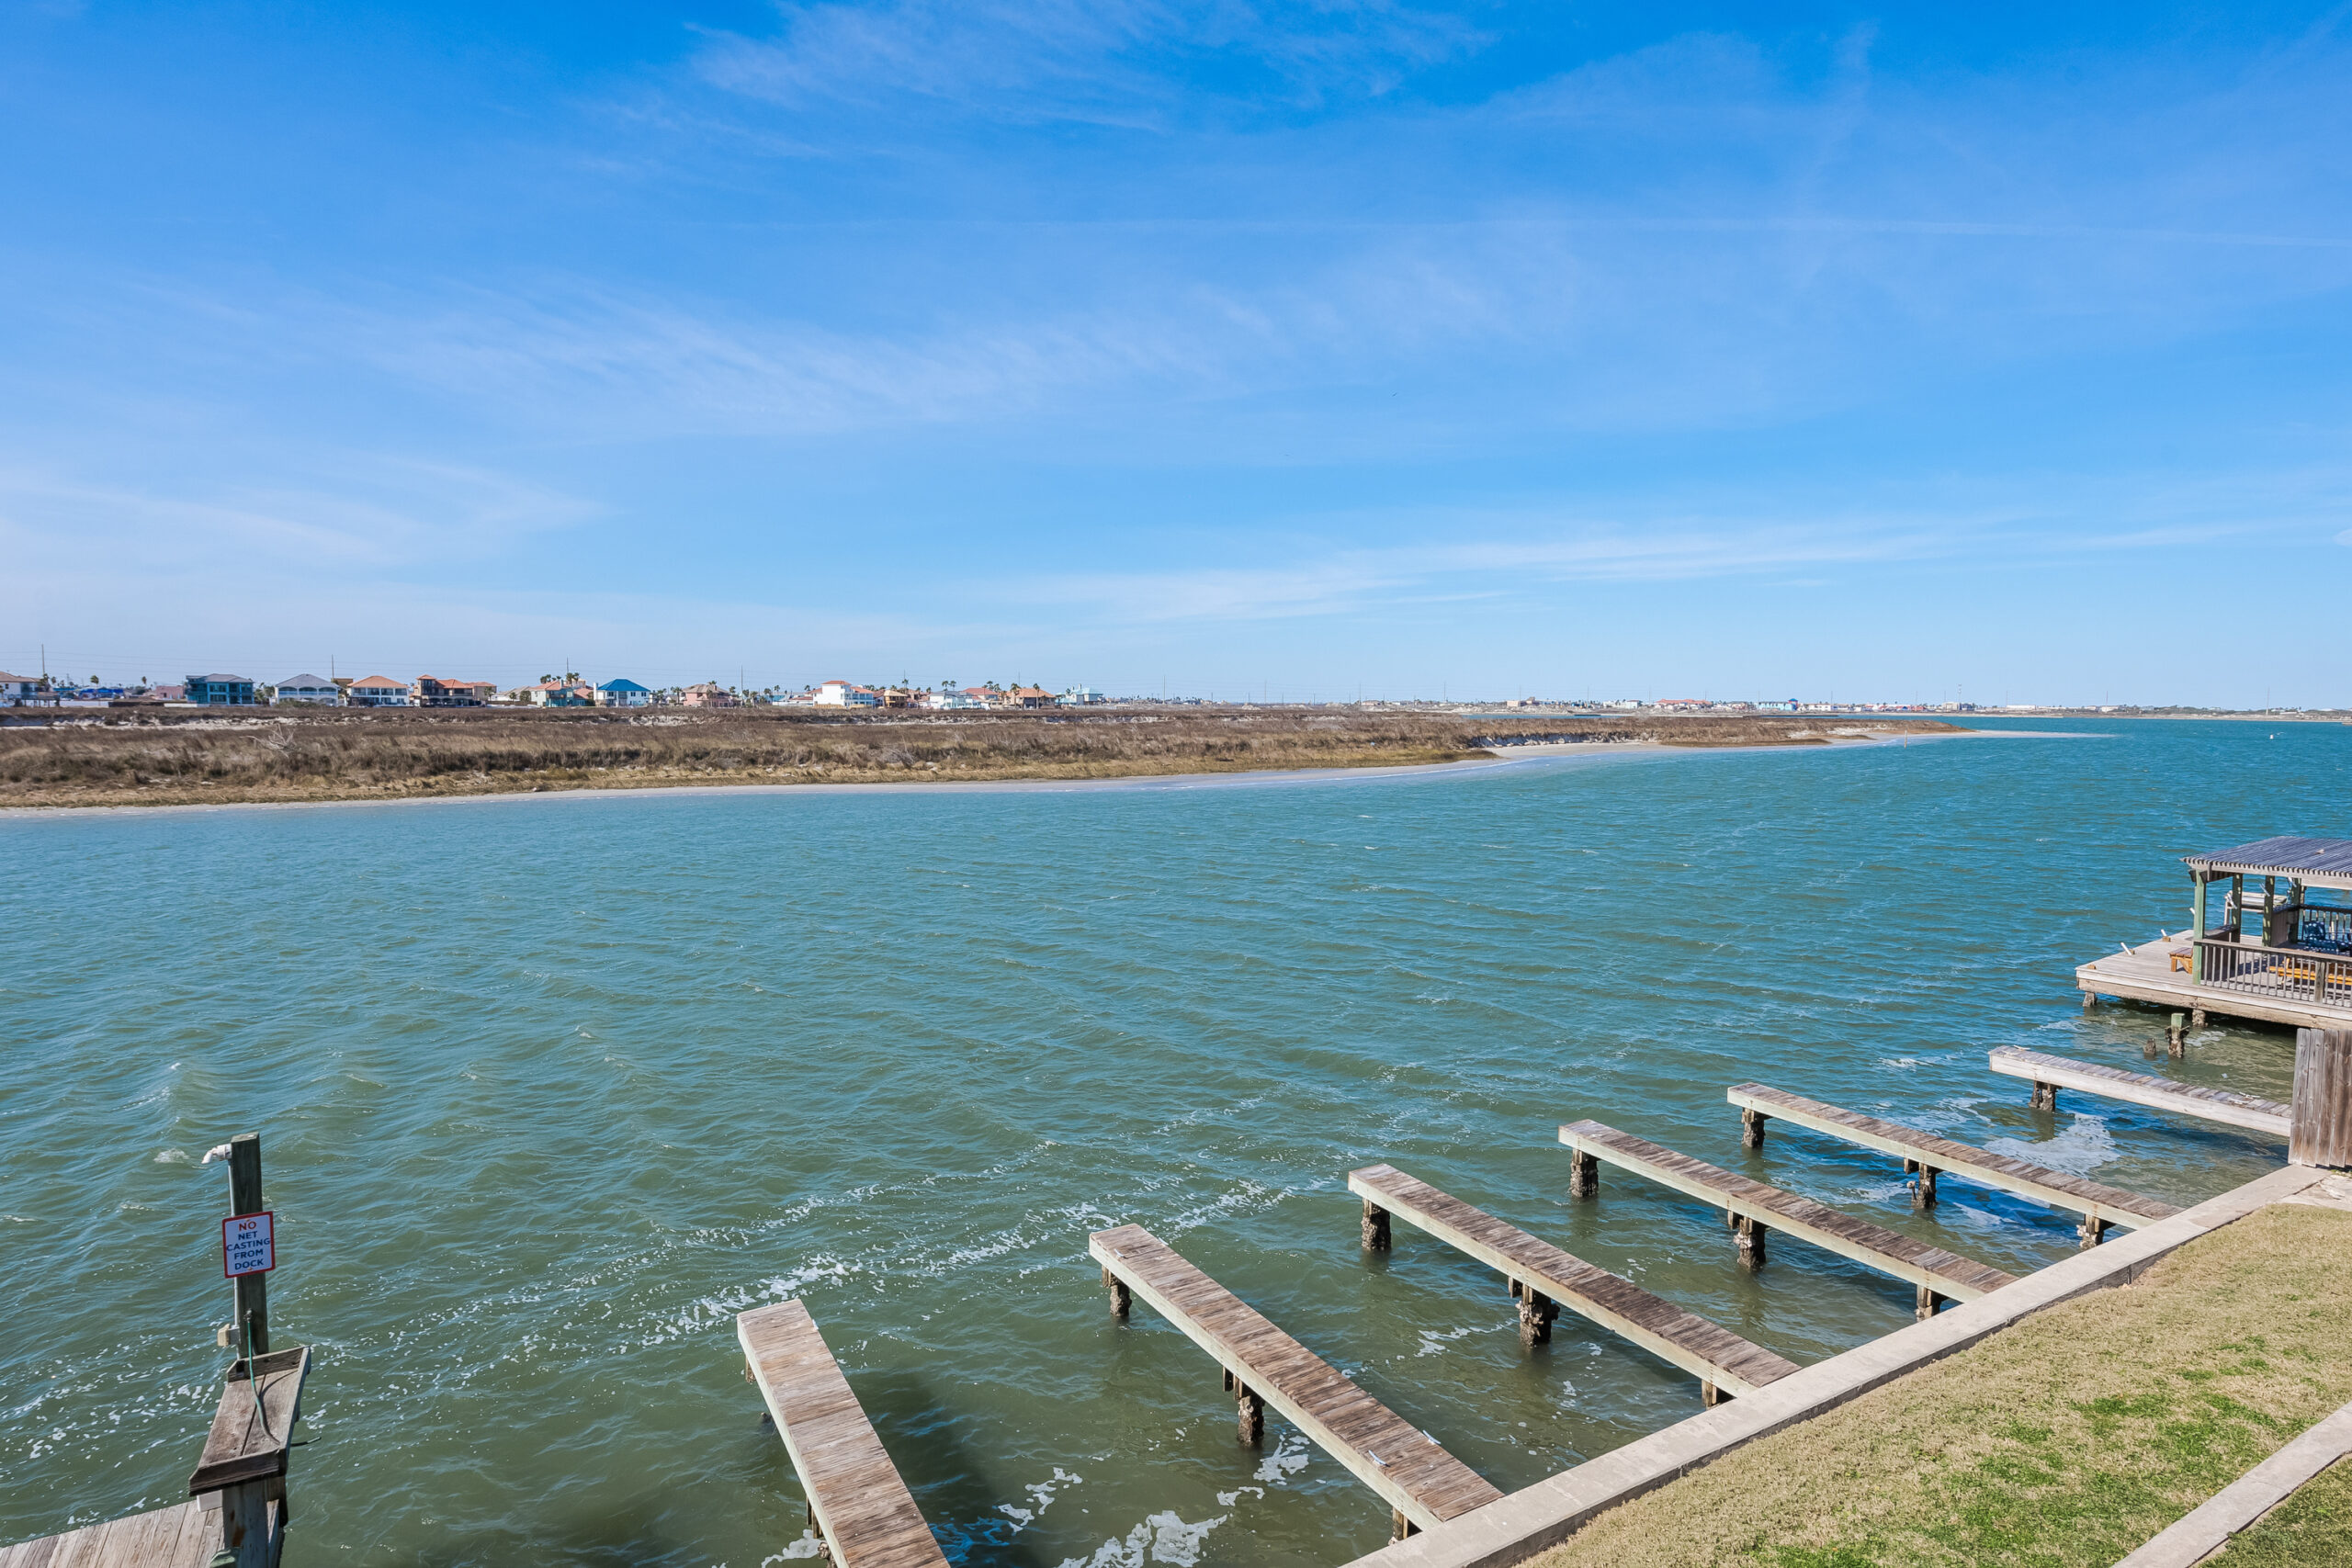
x=2197 y=954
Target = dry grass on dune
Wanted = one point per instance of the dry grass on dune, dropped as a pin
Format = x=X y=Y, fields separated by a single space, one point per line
x=290 y=755
x=2063 y=1442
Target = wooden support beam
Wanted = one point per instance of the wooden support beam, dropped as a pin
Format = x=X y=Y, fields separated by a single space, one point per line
x=1398 y=1460
x=859 y=1505
x=2320 y=1119
x=1753 y=1206
x=2225 y=1105
x=1926 y=1157
x=1544 y=1279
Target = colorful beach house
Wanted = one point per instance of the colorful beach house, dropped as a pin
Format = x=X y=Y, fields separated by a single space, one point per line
x=846 y=694
x=556 y=695
x=378 y=691
x=708 y=694
x=623 y=695
x=221 y=691
x=439 y=692
x=314 y=690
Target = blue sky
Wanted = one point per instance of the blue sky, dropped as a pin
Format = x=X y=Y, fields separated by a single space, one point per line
x=1304 y=349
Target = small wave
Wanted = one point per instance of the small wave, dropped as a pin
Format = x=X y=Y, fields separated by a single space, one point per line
x=2082 y=1149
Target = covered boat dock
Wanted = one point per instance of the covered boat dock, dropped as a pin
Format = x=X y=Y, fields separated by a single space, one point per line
x=2270 y=939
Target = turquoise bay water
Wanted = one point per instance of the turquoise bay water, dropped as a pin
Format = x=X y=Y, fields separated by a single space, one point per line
x=549 y=1089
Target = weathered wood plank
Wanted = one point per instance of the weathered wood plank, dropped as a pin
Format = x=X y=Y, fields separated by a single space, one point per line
x=176 y=1537
x=861 y=1505
x=248 y=1440
x=1388 y=1453
x=1933 y=1269
x=2221 y=1105
x=1707 y=1351
x=2055 y=1188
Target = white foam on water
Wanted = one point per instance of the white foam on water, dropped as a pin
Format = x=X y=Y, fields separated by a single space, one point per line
x=2082 y=1149
x=1041 y=1493
x=172 y=1156
x=1290 y=1456
x=1435 y=1343
x=1161 y=1538
x=807 y=1546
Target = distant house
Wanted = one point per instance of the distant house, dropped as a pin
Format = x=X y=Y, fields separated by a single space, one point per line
x=709 y=694
x=623 y=695
x=555 y=694
x=19 y=688
x=846 y=694
x=1030 y=697
x=1684 y=703
x=221 y=691
x=380 y=692
x=1077 y=694
x=950 y=700
x=309 y=689
x=436 y=691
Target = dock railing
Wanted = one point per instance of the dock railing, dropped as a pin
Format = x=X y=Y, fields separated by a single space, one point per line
x=2298 y=972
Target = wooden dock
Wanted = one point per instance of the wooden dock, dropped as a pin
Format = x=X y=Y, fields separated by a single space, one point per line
x=858 y=1502
x=1720 y=1359
x=183 y=1535
x=1425 y=1485
x=237 y=1494
x=1753 y=1208
x=2051 y=1074
x=2159 y=972
x=1930 y=1155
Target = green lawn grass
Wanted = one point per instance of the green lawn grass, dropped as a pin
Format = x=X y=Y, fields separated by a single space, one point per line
x=2063 y=1442
x=2311 y=1529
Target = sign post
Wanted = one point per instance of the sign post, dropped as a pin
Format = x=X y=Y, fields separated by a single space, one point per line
x=252 y=1285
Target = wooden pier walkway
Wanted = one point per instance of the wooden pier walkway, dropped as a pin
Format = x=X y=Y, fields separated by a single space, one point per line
x=1720 y=1359
x=1425 y=1485
x=184 y=1535
x=857 y=1501
x=1938 y=1274
x=2050 y=1074
x=2100 y=1206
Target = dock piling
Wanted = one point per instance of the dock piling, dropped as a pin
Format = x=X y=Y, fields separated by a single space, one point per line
x=2045 y=1096
x=1375 y=1227
x=245 y=1198
x=2177 y=1037
x=1584 y=1175
x=2093 y=1232
x=1750 y=1237
x=2319 y=1127
x=1536 y=1313
x=1122 y=1302
x=1751 y=1128
x=1923 y=1183
x=1249 y=1413
x=1930 y=1302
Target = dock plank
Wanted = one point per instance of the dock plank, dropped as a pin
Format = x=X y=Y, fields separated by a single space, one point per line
x=2055 y=1188
x=2225 y=1105
x=1384 y=1450
x=182 y=1536
x=861 y=1504
x=1706 y=1350
x=1944 y=1272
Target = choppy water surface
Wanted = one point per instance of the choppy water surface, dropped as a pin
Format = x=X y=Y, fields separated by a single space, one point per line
x=550 y=1090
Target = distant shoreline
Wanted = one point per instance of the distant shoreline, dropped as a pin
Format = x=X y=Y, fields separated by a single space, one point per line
x=1485 y=762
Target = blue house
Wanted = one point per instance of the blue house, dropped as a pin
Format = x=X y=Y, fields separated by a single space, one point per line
x=221 y=691
x=623 y=695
